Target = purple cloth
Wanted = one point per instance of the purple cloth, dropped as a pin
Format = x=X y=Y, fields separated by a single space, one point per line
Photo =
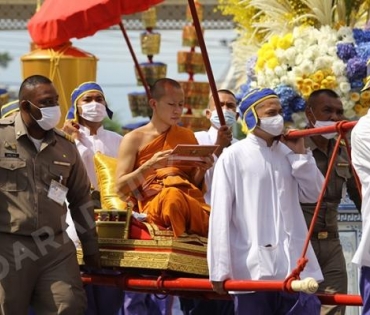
x=365 y=289
x=147 y=304
x=277 y=303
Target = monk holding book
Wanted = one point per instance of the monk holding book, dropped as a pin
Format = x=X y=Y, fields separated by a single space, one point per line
x=168 y=191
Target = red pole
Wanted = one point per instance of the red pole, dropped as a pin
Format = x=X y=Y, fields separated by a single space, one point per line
x=207 y=64
x=142 y=78
x=188 y=286
x=344 y=126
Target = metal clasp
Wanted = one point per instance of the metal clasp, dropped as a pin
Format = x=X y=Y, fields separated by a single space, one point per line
x=322 y=235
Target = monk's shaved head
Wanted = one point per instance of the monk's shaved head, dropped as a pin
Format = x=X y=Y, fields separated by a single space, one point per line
x=158 y=89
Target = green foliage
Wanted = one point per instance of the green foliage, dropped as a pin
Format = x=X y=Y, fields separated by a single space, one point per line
x=4 y=59
x=112 y=125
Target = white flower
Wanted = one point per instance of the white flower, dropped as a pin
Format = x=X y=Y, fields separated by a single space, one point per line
x=279 y=71
x=299 y=59
x=350 y=114
x=323 y=62
x=345 y=87
x=338 y=67
x=307 y=67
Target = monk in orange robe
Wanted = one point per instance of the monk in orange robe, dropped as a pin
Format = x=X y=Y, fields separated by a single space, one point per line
x=170 y=195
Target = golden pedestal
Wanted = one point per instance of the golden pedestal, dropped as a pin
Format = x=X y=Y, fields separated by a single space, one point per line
x=196 y=96
x=151 y=71
x=189 y=36
x=190 y=62
x=66 y=66
x=150 y=43
x=139 y=105
x=195 y=123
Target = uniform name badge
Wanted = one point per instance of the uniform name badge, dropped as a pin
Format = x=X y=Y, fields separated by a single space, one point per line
x=57 y=192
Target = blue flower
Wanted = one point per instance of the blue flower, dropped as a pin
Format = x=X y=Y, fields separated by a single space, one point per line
x=356 y=69
x=346 y=51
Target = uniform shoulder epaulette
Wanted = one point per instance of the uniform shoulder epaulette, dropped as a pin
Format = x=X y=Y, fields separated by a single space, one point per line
x=7 y=121
x=64 y=135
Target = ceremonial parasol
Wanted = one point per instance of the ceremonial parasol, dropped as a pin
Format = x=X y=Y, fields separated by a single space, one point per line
x=58 y=21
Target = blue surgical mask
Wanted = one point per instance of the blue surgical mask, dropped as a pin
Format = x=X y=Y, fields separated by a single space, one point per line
x=230 y=118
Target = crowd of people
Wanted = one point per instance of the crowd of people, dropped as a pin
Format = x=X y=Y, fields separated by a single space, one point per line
x=254 y=199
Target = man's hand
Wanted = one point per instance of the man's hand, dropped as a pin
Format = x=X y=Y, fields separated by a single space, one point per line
x=71 y=128
x=158 y=160
x=218 y=286
x=92 y=261
x=296 y=145
x=224 y=138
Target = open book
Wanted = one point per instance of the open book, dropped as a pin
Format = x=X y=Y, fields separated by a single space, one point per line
x=192 y=152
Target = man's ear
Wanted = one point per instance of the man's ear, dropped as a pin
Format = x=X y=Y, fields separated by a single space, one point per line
x=152 y=103
x=309 y=115
x=208 y=113
x=25 y=105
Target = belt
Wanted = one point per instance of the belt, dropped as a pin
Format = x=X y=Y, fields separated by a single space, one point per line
x=324 y=235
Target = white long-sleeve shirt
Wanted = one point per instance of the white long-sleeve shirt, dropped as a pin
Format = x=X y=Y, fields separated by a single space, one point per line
x=206 y=138
x=257 y=229
x=105 y=141
x=360 y=142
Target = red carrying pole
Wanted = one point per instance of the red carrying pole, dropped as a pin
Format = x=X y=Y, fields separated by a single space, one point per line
x=137 y=66
x=207 y=64
x=188 y=286
x=343 y=125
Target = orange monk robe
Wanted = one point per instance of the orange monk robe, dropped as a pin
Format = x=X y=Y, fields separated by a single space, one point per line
x=167 y=196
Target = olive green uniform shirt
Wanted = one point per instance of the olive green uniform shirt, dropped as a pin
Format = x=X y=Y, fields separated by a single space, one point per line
x=25 y=178
x=340 y=178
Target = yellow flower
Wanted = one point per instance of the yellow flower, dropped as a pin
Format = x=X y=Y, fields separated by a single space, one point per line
x=324 y=83
x=354 y=96
x=357 y=108
x=274 y=40
x=307 y=82
x=365 y=95
x=315 y=86
x=306 y=90
x=268 y=54
x=286 y=41
x=299 y=80
x=318 y=76
x=272 y=63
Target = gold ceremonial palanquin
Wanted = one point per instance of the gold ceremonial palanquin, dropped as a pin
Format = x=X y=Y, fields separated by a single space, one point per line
x=156 y=250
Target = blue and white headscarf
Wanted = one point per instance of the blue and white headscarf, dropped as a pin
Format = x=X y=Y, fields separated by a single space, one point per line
x=80 y=91
x=248 y=104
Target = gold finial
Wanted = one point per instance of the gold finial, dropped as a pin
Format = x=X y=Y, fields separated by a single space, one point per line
x=38 y=5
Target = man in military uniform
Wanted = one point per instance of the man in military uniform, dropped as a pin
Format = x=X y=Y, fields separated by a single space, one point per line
x=39 y=169
x=324 y=108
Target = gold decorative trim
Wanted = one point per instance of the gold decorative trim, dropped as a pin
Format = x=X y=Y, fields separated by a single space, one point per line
x=186 y=255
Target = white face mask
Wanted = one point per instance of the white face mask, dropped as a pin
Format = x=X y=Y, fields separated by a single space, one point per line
x=321 y=123
x=94 y=111
x=50 y=116
x=230 y=118
x=272 y=125
x=324 y=123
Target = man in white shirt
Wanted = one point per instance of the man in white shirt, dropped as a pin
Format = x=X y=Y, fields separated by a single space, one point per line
x=257 y=229
x=217 y=134
x=85 y=125
x=360 y=141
